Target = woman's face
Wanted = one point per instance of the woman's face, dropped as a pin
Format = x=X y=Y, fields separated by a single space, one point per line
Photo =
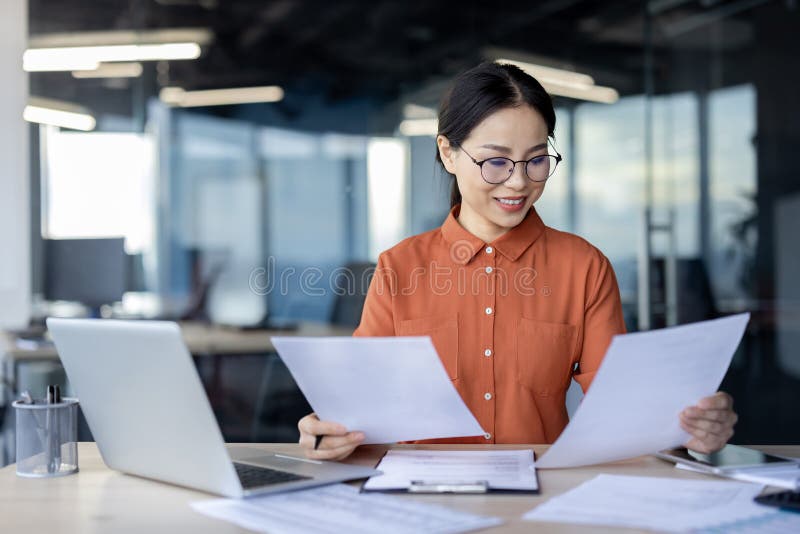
x=489 y=210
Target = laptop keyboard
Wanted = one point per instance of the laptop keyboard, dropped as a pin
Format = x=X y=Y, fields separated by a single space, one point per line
x=254 y=477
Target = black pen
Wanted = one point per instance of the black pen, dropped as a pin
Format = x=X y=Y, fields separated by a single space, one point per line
x=318 y=440
x=57 y=429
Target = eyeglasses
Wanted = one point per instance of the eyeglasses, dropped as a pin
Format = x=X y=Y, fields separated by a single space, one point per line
x=497 y=170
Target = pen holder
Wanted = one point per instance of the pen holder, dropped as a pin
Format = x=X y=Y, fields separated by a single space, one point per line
x=47 y=436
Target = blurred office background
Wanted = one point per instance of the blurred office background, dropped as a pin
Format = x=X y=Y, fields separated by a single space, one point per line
x=678 y=121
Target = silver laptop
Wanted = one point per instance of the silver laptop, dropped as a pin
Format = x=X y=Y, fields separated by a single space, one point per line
x=146 y=407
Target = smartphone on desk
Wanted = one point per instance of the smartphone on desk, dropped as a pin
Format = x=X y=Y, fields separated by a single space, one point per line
x=729 y=458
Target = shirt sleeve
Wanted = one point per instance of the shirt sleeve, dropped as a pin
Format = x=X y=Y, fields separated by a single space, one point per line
x=603 y=319
x=377 y=319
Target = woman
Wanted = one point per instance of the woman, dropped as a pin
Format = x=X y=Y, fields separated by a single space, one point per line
x=515 y=309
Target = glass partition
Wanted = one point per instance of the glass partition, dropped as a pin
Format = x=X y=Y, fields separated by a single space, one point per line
x=683 y=110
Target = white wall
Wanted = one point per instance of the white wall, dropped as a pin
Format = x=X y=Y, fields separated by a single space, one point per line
x=14 y=182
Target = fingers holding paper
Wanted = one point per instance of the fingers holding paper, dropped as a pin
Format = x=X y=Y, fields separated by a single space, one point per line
x=336 y=444
x=710 y=423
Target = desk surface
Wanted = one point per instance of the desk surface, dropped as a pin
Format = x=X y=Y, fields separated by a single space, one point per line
x=100 y=500
x=202 y=339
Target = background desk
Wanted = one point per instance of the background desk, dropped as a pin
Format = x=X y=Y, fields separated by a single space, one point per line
x=201 y=339
x=243 y=413
x=100 y=500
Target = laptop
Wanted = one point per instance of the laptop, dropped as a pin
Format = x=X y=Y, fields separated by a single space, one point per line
x=146 y=407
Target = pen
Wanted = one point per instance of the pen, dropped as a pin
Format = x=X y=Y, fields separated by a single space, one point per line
x=57 y=429
x=48 y=428
x=318 y=440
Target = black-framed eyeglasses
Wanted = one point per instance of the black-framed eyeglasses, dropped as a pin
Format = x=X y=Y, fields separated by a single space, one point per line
x=498 y=169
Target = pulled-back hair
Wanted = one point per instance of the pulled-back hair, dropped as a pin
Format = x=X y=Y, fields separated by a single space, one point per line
x=481 y=91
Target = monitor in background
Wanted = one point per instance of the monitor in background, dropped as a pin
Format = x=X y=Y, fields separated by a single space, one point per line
x=89 y=271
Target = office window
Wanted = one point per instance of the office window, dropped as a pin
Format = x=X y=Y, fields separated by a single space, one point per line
x=553 y=207
x=387 y=176
x=609 y=167
x=676 y=171
x=732 y=155
x=98 y=185
x=217 y=211
x=429 y=186
x=316 y=216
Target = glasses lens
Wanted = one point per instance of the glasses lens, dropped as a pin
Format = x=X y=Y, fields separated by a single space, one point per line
x=540 y=168
x=497 y=170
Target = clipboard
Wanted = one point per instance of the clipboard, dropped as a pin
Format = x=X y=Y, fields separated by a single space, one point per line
x=457 y=484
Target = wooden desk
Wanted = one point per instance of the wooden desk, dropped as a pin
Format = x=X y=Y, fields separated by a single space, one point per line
x=100 y=500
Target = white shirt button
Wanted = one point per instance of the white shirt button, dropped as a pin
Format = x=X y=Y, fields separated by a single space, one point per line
x=489 y=250
x=488 y=270
x=487 y=436
x=488 y=311
x=487 y=352
x=487 y=396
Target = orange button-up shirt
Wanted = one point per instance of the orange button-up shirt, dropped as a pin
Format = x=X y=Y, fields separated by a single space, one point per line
x=512 y=320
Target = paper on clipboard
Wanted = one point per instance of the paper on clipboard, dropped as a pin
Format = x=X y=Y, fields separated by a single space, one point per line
x=390 y=388
x=500 y=470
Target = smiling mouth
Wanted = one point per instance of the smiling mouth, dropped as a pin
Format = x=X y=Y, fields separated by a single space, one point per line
x=510 y=201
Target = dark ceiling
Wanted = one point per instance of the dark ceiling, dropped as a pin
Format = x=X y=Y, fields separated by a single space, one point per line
x=380 y=49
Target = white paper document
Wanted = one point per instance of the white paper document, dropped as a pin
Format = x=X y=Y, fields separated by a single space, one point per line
x=645 y=381
x=390 y=388
x=341 y=508
x=665 y=504
x=500 y=469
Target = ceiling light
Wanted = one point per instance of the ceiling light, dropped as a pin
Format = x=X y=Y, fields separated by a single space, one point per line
x=591 y=93
x=566 y=83
x=201 y=36
x=559 y=82
x=550 y=74
x=111 y=70
x=176 y=96
x=40 y=59
x=415 y=111
x=60 y=64
x=56 y=113
x=171 y=95
x=414 y=127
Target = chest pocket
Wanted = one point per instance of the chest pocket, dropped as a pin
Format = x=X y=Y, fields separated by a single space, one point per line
x=443 y=331
x=544 y=355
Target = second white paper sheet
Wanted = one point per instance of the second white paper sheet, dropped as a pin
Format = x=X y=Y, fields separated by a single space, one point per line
x=645 y=381
x=662 y=504
x=390 y=388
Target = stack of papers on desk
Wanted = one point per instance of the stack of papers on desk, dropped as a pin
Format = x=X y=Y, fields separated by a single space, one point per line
x=665 y=504
x=341 y=508
x=501 y=470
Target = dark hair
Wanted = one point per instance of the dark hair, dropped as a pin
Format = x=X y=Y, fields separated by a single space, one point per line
x=479 y=92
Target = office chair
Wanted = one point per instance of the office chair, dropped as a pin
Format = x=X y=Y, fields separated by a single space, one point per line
x=350 y=285
x=695 y=294
x=280 y=401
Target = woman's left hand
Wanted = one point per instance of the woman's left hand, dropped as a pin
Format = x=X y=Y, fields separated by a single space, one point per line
x=710 y=423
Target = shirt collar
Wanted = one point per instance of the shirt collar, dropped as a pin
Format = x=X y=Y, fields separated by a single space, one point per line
x=464 y=246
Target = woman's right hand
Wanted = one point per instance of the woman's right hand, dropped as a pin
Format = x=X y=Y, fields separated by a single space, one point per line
x=337 y=444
